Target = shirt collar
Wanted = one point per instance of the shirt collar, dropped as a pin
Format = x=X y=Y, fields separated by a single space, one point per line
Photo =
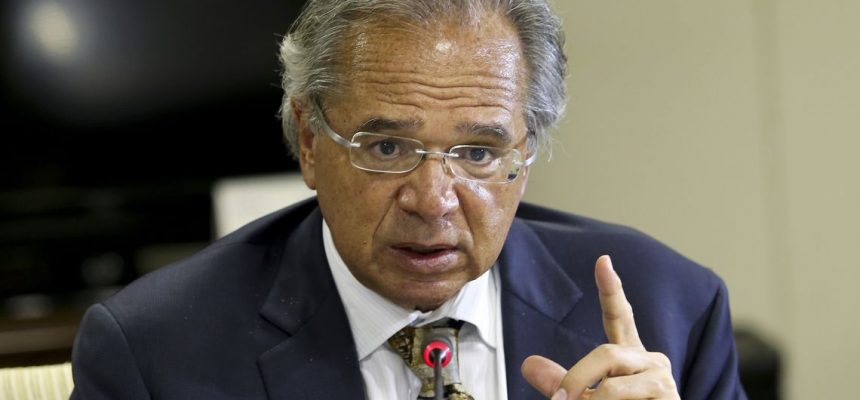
x=373 y=319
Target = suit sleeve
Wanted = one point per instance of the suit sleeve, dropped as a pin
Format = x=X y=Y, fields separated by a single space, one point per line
x=103 y=365
x=713 y=373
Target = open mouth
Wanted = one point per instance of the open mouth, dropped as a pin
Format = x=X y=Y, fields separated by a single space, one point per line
x=426 y=259
x=425 y=250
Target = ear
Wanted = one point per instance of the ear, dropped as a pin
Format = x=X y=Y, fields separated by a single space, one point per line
x=525 y=182
x=306 y=141
x=527 y=169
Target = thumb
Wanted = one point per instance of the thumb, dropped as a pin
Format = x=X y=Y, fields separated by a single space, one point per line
x=543 y=374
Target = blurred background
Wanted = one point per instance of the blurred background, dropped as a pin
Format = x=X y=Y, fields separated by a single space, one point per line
x=118 y=119
x=726 y=129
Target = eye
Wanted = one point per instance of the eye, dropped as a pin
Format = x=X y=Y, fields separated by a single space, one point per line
x=478 y=154
x=386 y=148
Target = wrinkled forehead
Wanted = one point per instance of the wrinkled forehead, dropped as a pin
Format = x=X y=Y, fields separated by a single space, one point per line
x=486 y=45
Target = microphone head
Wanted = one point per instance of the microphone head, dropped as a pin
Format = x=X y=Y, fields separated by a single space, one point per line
x=437 y=348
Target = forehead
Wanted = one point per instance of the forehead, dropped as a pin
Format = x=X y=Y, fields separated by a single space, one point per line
x=445 y=40
x=447 y=65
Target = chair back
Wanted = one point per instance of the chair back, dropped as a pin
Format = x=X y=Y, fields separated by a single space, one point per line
x=46 y=382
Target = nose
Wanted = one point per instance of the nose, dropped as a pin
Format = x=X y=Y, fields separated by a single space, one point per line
x=429 y=191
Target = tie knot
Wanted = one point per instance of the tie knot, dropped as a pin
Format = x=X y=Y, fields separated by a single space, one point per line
x=422 y=347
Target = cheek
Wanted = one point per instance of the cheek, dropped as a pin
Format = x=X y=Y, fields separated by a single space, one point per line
x=342 y=200
x=490 y=211
x=354 y=204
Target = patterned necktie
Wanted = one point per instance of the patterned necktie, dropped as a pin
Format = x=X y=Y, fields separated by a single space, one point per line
x=411 y=343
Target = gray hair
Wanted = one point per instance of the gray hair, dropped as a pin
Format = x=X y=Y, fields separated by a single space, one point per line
x=309 y=53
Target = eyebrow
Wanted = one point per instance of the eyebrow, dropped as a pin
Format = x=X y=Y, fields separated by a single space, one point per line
x=495 y=130
x=379 y=124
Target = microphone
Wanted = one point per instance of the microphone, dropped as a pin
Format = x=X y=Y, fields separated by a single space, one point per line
x=437 y=355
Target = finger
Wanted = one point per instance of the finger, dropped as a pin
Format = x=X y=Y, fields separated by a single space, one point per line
x=649 y=384
x=609 y=360
x=618 y=320
x=543 y=374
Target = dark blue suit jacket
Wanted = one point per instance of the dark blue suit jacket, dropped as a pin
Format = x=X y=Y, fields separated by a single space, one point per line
x=256 y=315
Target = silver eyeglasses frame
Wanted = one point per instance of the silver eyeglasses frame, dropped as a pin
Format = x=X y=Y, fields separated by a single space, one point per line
x=516 y=163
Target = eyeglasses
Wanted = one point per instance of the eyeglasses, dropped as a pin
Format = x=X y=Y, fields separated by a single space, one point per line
x=393 y=154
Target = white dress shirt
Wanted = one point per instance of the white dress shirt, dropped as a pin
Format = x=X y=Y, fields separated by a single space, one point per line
x=373 y=319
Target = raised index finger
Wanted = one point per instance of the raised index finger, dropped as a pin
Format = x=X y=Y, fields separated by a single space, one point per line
x=618 y=320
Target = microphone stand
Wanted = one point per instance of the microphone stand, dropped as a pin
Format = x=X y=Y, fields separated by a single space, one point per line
x=438 y=381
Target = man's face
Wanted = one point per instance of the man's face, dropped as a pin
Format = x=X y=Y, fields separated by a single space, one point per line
x=416 y=238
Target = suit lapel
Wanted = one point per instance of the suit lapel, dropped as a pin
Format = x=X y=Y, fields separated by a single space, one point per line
x=318 y=360
x=538 y=298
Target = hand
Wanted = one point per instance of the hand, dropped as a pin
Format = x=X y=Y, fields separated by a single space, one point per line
x=621 y=369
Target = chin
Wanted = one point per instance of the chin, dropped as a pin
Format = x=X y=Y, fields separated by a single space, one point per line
x=424 y=297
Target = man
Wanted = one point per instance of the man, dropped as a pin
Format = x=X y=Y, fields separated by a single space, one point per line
x=416 y=122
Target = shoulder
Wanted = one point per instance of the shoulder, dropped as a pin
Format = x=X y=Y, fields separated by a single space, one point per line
x=233 y=274
x=204 y=312
x=671 y=295
x=574 y=239
x=680 y=307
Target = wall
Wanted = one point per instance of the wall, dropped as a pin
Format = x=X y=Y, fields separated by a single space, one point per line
x=819 y=121
x=724 y=129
